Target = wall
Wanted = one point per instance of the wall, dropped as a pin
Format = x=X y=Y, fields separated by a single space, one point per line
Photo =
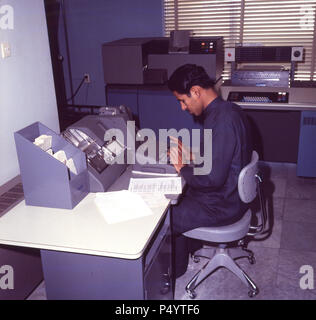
x=27 y=91
x=93 y=22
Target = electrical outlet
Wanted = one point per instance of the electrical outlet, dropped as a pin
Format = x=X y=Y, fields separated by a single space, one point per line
x=5 y=50
x=87 y=78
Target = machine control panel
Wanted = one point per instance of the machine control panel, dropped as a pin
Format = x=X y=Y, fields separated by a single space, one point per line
x=202 y=46
x=259 y=97
x=266 y=54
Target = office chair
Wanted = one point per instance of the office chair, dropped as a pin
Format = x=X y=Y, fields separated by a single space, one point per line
x=249 y=186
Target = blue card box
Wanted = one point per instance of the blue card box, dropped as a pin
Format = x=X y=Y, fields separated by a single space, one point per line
x=47 y=182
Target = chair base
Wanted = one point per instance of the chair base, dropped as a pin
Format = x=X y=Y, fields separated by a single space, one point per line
x=223 y=257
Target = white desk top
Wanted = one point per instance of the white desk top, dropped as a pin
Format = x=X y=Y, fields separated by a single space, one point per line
x=81 y=230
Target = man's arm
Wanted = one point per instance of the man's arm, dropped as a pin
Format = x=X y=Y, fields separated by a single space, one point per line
x=223 y=147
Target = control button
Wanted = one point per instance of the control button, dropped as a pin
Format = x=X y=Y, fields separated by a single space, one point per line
x=296 y=53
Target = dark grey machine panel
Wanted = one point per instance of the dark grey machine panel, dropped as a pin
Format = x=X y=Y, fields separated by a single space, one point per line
x=124 y=60
x=148 y=61
x=171 y=62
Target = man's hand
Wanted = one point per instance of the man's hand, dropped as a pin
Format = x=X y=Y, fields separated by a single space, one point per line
x=179 y=154
x=176 y=158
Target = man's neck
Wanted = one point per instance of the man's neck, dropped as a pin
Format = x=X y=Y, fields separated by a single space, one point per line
x=208 y=97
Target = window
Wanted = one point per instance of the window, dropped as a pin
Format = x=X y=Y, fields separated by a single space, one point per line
x=268 y=22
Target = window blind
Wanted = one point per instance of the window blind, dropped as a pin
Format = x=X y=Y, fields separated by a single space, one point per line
x=267 y=22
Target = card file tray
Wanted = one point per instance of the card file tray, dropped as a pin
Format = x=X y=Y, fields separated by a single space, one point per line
x=47 y=182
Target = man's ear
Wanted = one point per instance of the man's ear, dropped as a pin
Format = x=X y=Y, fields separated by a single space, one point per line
x=195 y=91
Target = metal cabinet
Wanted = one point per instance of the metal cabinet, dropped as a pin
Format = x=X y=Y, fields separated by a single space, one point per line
x=27 y=271
x=306 y=162
x=81 y=276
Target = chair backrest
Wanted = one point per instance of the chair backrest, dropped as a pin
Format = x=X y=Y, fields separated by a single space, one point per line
x=247 y=184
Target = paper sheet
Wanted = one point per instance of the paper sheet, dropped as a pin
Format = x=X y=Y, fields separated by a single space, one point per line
x=61 y=156
x=71 y=165
x=154 y=200
x=120 y=206
x=170 y=185
x=44 y=142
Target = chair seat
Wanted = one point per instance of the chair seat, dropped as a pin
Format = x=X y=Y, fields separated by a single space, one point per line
x=229 y=233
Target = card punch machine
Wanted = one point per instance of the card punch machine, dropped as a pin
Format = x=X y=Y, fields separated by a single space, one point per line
x=88 y=134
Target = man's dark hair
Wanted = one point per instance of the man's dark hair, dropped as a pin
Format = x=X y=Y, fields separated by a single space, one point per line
x=187 y=76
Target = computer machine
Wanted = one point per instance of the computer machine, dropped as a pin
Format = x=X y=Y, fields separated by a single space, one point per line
x=88 y=135
x=270 y=84
x=152 y=60
x=247 y=80
x=107 y=157
x=280 y=108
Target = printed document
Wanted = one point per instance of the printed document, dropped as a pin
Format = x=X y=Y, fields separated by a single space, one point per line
x=170 y=185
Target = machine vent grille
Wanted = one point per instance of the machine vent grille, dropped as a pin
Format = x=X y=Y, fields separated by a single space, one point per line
x=309 y=121
x=11 y=198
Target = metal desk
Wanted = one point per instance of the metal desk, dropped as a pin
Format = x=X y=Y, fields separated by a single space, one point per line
x=83 y=257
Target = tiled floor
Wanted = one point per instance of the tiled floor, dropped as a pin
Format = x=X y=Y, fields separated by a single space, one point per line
x=291 y=201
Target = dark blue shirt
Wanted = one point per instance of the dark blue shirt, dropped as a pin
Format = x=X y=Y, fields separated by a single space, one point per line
x=217 y=192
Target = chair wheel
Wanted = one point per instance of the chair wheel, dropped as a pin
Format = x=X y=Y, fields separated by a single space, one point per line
x=192 y=294
x=196 y=259
x=241 y=243
x=252 y=260
x=253 y=293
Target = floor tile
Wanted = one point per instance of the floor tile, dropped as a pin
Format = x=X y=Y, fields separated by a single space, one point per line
x=289 y=270
x=287 y=293
x=292 y=176
x=299 y=236
x=275 y=207
x=291 y=171
x=301 y=189
x=300 y=210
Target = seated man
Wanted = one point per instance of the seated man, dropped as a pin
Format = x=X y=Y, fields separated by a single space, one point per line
x=211 y=199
